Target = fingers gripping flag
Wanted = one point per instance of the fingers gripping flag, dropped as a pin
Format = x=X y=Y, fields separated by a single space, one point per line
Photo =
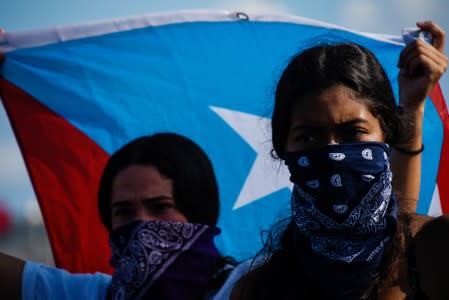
x=75 y=94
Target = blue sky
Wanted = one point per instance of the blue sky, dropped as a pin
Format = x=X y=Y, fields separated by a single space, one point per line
x=377 y=16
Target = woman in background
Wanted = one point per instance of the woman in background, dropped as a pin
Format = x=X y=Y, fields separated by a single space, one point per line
x=158 y=198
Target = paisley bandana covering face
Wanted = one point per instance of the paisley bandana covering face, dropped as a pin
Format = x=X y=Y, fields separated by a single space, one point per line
x=162 y=260
x=342 y=200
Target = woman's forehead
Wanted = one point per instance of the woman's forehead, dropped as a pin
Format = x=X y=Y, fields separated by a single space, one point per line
x=337 y=104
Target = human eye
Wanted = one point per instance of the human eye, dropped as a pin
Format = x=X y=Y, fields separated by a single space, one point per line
x=305 y=140
x=161 y=206
x=355 y=133
x=122 y=212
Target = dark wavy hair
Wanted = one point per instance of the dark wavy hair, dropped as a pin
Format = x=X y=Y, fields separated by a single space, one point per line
x=314 y=70
x=325 y=65
x=175 y=157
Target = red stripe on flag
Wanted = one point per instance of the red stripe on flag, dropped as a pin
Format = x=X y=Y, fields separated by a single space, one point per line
x=65 y=167
x=443 y=168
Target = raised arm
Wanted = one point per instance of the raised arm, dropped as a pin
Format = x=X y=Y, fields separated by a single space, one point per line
x=421 y=66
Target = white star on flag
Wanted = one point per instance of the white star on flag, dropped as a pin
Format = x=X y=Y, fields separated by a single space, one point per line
x=267 y=175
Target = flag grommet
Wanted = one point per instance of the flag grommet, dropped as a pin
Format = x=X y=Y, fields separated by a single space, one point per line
x=242 y=16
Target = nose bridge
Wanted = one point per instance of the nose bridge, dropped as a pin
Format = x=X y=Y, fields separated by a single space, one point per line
x=142 y=214
x=332 y=137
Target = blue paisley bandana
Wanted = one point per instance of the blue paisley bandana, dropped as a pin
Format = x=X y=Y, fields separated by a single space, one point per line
x=162 y=260
x=342 y=200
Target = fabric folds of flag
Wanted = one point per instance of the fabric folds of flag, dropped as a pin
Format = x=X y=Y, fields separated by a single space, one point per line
x=75 y=94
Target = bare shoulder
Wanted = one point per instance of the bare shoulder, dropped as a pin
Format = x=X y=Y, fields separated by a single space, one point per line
x=434 y=230
x=431 y=241
x=417 y=221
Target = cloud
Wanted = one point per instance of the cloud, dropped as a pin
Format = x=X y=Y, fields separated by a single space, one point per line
x=414 y=8
x=32 y=212
x=15 y=186
x=386 y=16
x=12 y=168
x=254 y=6
x=359 y=15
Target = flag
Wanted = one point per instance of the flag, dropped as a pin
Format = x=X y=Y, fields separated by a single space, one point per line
x=75 y=94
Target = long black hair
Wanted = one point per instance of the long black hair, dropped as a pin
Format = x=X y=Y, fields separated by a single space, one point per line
x=312 y=71
x=177 y=158
x=325 y=65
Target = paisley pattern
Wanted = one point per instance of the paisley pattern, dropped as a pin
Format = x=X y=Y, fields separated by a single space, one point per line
x=142 y=251
x=347 y=217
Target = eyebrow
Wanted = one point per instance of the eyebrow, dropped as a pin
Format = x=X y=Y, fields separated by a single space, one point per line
x=158 y=198
x=127 y=203
x=355 y=121
x=118 y=204
x=318 y=126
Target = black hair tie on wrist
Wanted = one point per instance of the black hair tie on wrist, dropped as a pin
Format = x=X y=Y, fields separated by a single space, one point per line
x=410 y=152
